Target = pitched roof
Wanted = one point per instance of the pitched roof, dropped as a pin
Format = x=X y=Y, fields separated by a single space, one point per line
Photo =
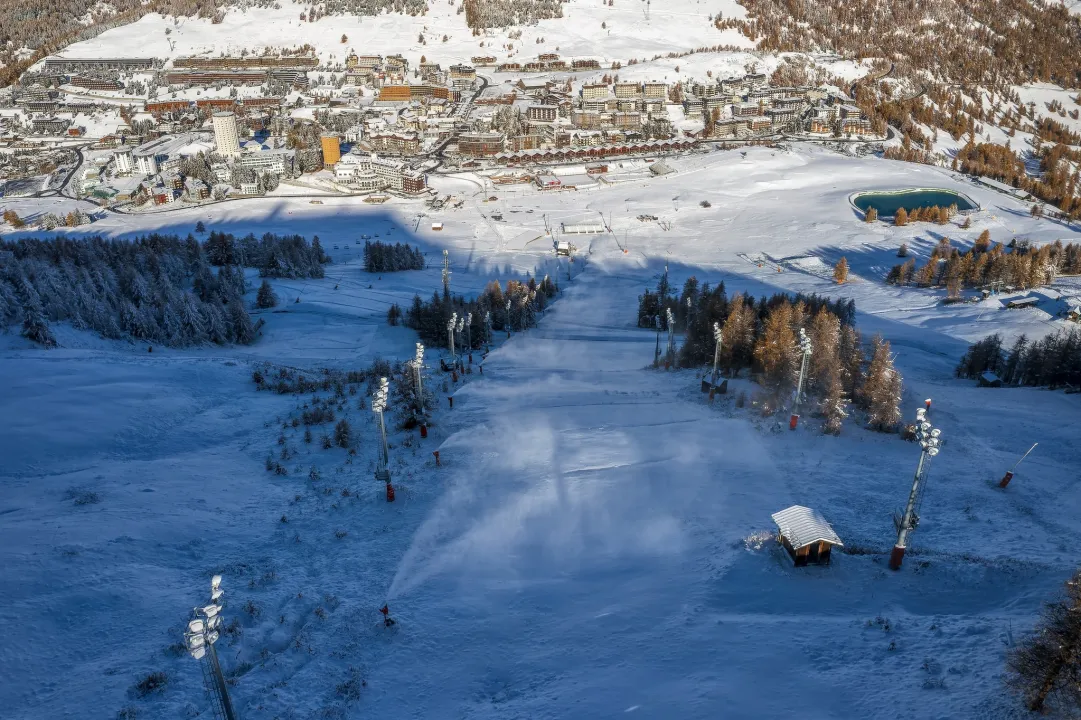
x=802 y=526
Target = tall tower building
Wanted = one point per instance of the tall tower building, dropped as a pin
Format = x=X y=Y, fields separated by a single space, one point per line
x=225 y=135
x=124 y=162
x=332 y=150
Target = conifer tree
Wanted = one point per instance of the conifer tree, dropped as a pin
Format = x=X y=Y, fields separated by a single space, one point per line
x=882 y=389
x=840 y=271
x=900 y=219
x=776 y=351
x=871 y=215
x=737 y=335
x=834 y=405
x=266 y=297
x=1046 y=668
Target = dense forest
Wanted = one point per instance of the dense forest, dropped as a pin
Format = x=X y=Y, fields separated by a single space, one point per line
x=1053 y=361
x=764 y=335
x=382 y=257
x=158 y=288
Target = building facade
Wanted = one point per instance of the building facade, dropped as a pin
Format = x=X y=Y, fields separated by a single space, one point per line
x=225 y=134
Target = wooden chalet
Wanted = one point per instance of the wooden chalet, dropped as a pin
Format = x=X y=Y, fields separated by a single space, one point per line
x=806 y=535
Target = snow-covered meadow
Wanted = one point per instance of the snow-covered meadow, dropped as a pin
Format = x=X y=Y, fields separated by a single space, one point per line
x=590 y=546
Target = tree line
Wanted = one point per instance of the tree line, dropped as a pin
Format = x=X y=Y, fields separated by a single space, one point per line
x=155 y=288
x=514 y=307
x=275 y=256
x=1052 y=361
x=380 y=257
x=763 y=336
x=1017 y=264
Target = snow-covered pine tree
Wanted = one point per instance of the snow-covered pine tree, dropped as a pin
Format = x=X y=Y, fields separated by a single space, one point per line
x=882 y=389
x=834 y=405
x=266 y=297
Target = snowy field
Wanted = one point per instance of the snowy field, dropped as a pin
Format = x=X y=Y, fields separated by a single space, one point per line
x=589 y=547
x=672 y=26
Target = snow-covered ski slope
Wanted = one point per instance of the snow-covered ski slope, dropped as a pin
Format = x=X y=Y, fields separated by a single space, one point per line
x=672 y=26
x=590 y=546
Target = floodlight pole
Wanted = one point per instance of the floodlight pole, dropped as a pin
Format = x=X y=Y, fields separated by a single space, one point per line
x=487 y=328
x=657 y=346
x=716 y=359
x=929 y=444
x=446 y=273
x=203 y=631
x=450 y=336
x=670 y=354
x=418 y=366
x=469 y=334
x=805 y=348
x=379 y=404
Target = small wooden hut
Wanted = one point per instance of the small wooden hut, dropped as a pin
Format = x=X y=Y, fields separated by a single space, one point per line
x=806 y=535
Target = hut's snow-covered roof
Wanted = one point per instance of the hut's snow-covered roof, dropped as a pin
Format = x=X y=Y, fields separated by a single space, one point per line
x=803 y=526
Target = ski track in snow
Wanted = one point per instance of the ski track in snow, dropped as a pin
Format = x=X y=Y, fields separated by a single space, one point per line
x=584 y=551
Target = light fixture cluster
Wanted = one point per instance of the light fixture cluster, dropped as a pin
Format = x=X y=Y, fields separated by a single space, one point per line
x=930 y=438
x=804 y=343
x=379 y=400
x=205 y=628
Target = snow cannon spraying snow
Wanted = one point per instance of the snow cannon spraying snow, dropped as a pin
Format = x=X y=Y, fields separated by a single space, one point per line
x=388 y=621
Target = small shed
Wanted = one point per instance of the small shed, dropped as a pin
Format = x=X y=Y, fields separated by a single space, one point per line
x=437 y=226
x=989 y=379
x=1023 y=302
x=806 y=535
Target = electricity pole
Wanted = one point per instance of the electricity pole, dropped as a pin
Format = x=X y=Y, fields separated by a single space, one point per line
x=929 y=439
x=203 y=631
x=805 y=349
x=716 y=359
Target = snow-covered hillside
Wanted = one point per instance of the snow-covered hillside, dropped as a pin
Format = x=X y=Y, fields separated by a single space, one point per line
x=673 y=26
x=591 y=544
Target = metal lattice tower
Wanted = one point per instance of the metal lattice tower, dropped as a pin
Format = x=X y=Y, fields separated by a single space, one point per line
x=203 y=631
x=446 y=273
x=379 y=404
x=930 y=441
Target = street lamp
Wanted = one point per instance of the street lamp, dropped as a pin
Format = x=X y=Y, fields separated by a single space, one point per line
x=203 y=631
x=487 y=328
x=379 y=405
x=805 y=350
x=930 y=440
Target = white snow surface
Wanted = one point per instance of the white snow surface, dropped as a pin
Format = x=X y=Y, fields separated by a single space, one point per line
x=673 y=26
x=591 y=545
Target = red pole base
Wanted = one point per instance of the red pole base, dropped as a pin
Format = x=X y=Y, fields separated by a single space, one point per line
x=423 y=431
x=711 y=394
x=450 y=399
x=436 y=453
x=896 y=556
x=793 y=421
x=454 y=376
x=1005 y=480
x=390 y=493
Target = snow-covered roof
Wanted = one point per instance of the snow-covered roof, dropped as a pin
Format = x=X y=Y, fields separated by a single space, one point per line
x=802 y=526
